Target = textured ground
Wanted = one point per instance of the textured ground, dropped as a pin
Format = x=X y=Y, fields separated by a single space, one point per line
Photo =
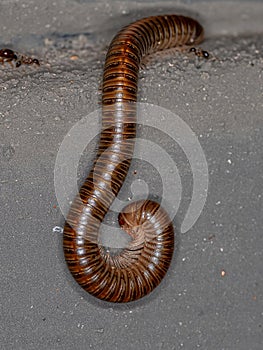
x=212 y=295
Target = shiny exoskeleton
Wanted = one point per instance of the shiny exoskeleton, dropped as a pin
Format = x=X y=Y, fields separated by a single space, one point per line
x=141 y=266
x=10 y=56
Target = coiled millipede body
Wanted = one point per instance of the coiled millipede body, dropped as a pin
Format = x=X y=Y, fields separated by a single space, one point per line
x=140 y=267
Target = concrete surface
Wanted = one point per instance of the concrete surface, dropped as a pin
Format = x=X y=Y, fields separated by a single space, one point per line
x=212 y=295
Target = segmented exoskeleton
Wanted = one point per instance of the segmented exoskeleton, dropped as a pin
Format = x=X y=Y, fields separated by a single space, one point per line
x=140 y=267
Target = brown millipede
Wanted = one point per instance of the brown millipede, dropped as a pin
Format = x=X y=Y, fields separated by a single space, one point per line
x=140 y=267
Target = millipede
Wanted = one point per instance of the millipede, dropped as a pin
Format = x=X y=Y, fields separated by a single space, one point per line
x=142 y=264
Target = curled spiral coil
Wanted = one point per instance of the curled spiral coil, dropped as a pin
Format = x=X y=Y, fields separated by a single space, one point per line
x=141 y=266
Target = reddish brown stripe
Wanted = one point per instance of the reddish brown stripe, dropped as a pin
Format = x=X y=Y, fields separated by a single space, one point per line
x=140 y=267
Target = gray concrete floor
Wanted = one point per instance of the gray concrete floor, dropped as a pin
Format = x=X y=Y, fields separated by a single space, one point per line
x=220 y=99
